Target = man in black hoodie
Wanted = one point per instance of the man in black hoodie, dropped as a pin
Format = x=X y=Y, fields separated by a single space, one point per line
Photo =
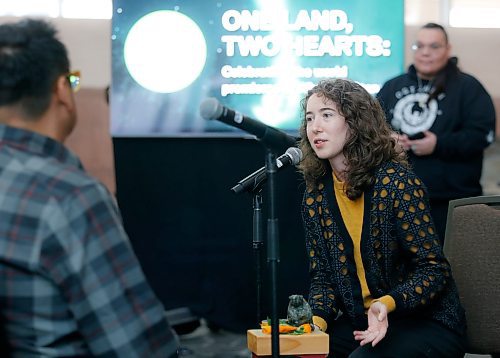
x=443 y=118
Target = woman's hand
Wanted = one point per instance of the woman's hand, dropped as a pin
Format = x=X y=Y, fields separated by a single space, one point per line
x=377 y=325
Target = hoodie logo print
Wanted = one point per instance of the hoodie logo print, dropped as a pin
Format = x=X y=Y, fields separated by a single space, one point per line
x=412 y=114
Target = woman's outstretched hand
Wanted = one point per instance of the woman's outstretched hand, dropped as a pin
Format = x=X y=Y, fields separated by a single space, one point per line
x=377 y=325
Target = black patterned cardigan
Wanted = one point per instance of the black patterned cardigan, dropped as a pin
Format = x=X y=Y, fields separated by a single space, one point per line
x=400 y=250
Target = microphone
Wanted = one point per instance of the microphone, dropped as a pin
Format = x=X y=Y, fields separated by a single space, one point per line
x=292 y=156
x=210 y=108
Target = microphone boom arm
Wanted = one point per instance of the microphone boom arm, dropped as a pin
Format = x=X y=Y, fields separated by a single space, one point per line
x=251 y=183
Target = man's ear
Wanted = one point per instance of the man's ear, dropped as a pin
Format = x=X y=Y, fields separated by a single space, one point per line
x=63 y=92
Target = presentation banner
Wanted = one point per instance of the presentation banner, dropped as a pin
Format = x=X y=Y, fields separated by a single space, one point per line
x=256 y=57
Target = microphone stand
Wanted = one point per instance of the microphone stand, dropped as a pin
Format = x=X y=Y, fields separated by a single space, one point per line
x=273 y=258
x=273 y=250
x=272 y=246
x=254 y=186
x=257 y=245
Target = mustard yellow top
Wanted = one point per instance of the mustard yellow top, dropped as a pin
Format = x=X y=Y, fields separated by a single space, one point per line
x=352 y=212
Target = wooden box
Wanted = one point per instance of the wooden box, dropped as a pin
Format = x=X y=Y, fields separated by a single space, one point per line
x=314 y=343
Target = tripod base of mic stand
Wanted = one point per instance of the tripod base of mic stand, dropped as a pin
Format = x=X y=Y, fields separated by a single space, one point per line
x=309 y=345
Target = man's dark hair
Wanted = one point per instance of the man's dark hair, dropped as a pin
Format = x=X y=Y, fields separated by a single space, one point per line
x=433 y=25
x=31 y=60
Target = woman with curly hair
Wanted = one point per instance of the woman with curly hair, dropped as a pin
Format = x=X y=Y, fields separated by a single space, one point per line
x=380 y=285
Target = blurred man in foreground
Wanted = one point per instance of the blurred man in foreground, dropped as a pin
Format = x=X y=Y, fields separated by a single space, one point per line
x=70 y=283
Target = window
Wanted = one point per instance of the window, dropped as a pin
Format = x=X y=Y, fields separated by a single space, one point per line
x=49 y=8
x=418 y=12
x=74 y=9
x=475 y=13
x=86 y=9
x=455 y=13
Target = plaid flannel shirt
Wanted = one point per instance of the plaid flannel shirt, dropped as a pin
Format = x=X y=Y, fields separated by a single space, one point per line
x=70 y=283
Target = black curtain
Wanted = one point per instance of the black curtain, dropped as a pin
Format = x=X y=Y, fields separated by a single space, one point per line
x=193 y=236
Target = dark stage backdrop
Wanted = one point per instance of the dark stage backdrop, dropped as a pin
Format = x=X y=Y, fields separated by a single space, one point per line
x=193 y=236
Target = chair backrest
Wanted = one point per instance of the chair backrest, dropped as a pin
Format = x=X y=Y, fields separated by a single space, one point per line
x=472 y=246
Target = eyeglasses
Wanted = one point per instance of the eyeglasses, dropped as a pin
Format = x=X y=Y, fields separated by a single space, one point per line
x=432 y=47
x=74 y=80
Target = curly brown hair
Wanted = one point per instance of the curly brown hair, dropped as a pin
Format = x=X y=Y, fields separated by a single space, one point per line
x=368 y=143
